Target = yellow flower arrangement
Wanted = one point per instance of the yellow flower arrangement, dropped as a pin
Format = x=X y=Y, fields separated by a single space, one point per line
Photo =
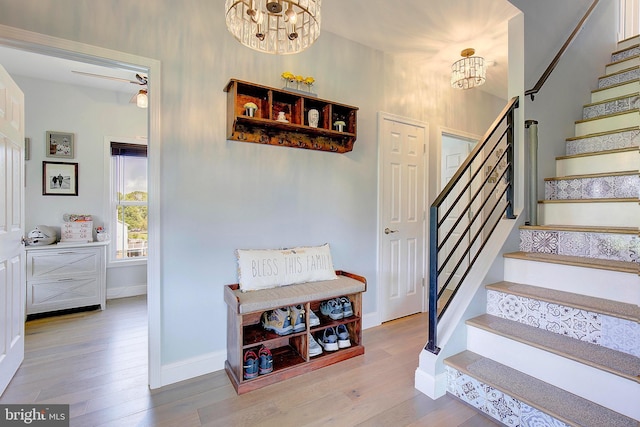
x=288 y=76
x=309 y=80
x=251 y=105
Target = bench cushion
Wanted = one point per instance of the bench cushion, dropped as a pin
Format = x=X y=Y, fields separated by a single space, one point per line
x=284 y=296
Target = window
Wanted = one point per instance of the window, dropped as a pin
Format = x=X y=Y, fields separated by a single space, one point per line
x=128 y=198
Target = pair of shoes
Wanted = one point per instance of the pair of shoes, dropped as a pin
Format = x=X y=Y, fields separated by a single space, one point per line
x=278 y=321
x=337 y=308
x=314 y=320
x=343 y=336
x=314 y=347
x=298 y=319
x=265 y=361
x=329 y=339
x=250 y=365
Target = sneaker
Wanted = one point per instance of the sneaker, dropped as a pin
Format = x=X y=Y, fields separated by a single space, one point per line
x=250 y=365
x=278 y=321
x=343 y=336
x=329 y=340
x=265 y=361
x=332 y=308
x=314 y=320
x=314 y=347
x=347 y=308
x=298 y=318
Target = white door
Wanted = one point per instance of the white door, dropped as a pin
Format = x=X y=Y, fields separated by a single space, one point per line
x=12 y=286
x=402 y=216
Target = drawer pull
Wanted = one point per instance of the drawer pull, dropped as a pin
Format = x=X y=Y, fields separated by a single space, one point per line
x=68 y=279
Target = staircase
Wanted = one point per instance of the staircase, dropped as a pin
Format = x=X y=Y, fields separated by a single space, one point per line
x=559 y=344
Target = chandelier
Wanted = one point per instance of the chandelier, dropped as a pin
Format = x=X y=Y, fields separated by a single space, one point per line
x=274 y=26
x=469 y=71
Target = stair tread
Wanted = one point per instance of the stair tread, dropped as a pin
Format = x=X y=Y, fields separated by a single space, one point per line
x=560 y=404
x=583 y=228
x=599 y=153
x=619 y=72
x=621 y=266
x=612 y=361
x=628 y=58
x=618 y=309
x=593 y=175
x=608 y=100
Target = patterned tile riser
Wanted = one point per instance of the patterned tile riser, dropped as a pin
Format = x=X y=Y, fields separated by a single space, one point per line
x=496 y=404
x=604 y=142
x=625 y=54
x=615 y=79
x=611 y=107
x=607 y=331
x=605 y=187
x=608 y=246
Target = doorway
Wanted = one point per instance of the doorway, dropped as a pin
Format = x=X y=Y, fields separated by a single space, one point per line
x=455 y=147
x=402 y=228
x=82 y=53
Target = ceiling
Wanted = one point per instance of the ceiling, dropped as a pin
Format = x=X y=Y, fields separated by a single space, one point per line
x=432 y=33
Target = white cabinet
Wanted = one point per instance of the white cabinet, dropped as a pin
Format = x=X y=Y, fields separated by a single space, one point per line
x=66 y=276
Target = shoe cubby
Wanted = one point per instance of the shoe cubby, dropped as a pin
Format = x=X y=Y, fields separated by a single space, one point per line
x=282 y=118
x=290 y=352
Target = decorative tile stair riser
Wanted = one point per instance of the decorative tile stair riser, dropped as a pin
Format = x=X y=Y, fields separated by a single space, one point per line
x=603 y=142
x=625 y=54
x=604 y=330
x=620 y=77
x=612 y=106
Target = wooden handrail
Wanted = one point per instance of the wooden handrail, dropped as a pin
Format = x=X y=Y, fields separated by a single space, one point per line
x=556 y=59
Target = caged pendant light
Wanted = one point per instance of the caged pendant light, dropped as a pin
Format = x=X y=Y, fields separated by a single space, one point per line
x=468 y=72
x=274 y=26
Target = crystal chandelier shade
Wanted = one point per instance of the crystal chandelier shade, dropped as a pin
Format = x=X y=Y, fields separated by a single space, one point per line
x=468 y=72
x=274 y=26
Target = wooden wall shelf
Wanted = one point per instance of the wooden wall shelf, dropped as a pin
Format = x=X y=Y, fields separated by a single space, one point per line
x=263 y=128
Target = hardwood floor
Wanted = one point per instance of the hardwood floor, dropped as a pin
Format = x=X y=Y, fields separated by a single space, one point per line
x=97 y=363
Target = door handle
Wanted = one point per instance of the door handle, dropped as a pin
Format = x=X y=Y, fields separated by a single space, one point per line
x=389 y=231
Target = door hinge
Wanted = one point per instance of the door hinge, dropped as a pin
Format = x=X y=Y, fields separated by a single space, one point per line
x=423 y=284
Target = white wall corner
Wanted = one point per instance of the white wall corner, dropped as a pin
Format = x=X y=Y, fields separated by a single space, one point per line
x=191 y=368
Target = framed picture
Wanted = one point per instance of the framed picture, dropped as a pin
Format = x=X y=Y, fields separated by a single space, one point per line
x=59 y=144
x=59 y=179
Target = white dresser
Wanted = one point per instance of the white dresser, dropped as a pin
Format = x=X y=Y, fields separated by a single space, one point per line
x=63 y=276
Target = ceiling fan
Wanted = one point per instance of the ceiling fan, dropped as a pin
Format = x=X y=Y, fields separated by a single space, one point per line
x=140 y=98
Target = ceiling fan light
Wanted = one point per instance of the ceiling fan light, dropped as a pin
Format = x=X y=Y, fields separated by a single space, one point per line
x=142 y=100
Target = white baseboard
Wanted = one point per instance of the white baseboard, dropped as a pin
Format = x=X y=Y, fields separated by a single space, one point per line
x=191 y=368
x=370 y=320
x=126 y=291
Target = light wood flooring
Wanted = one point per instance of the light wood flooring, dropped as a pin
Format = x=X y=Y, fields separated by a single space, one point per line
x=97 y=362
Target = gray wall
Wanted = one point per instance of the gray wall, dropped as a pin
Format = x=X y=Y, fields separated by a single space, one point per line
x=217 y=195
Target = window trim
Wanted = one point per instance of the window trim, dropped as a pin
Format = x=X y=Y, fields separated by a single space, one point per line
x=112 y=261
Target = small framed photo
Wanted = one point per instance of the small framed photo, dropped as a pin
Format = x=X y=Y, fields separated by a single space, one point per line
x=59 y=179
x=59 y=144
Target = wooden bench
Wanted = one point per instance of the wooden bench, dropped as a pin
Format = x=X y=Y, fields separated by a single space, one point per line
x=290 y=352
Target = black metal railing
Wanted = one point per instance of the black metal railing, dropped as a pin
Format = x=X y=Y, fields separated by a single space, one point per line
x=466 y=212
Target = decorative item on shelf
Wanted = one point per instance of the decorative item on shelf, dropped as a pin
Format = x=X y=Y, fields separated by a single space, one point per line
x=76 y=228
x=468 y=72
x=339 y=125
x=274 y=26
x=250 y=109
x=298 y=83
x=282 y=117
x=313 y=117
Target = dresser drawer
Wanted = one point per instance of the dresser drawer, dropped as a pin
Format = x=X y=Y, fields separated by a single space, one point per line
x=60 y=294
x=63 y=263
